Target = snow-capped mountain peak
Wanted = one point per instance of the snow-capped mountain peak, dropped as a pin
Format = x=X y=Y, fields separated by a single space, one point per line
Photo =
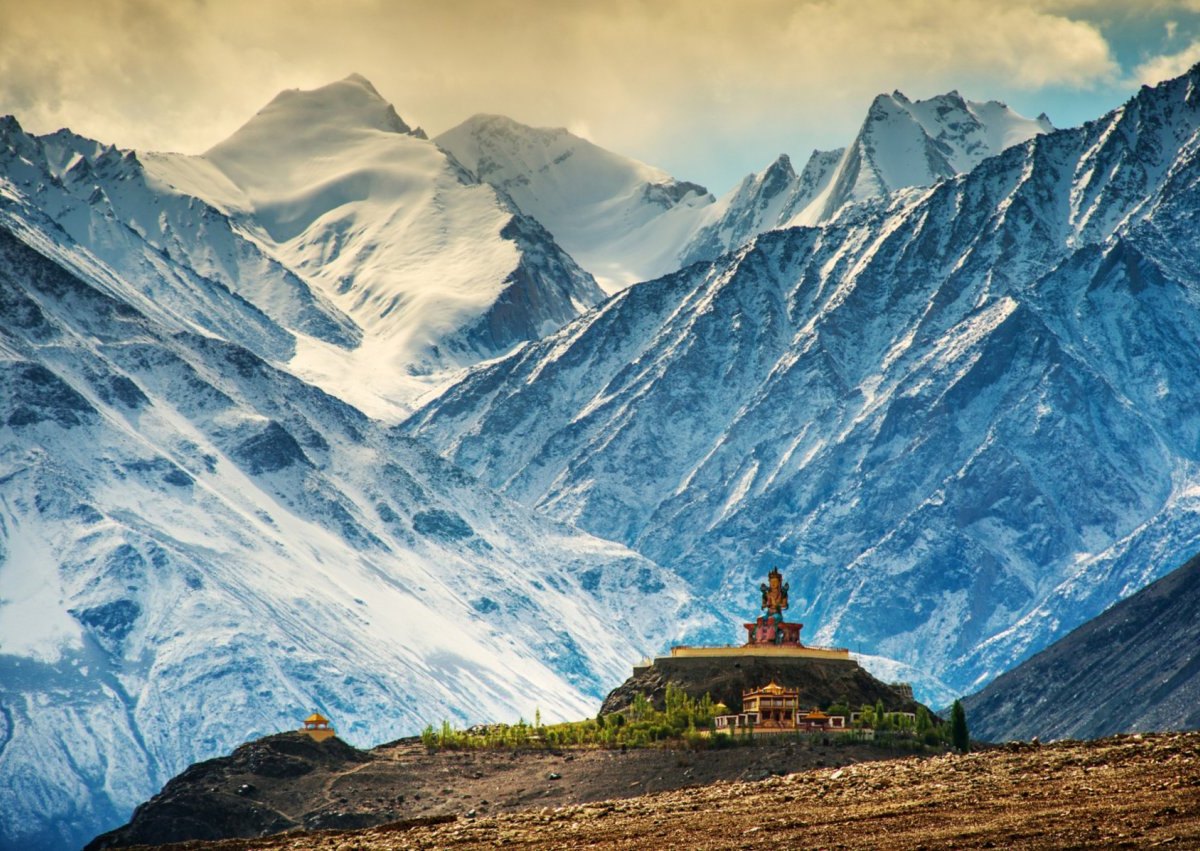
x=575 y=174
x=906 y=143
x=437 y=269
x=296 y=116
x=619 y=217
x=303 y=139
x=902 y=143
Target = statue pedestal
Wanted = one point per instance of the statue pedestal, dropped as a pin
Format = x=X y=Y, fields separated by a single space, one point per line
x=769 y=630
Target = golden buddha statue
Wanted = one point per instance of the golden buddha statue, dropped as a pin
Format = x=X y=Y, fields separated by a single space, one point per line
x=774 y=594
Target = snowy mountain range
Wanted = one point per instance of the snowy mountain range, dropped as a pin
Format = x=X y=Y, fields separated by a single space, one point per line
x=963 y=419
x=625 y=221
x=378 y=266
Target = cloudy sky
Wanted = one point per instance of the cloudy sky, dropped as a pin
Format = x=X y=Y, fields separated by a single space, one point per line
x=707 y=90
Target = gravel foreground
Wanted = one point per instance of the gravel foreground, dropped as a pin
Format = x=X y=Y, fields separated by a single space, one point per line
x=1121 y=792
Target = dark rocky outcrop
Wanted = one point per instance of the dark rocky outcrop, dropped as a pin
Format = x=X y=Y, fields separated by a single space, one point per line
x=821 y=681
x=1136 y=667
x=220 y=798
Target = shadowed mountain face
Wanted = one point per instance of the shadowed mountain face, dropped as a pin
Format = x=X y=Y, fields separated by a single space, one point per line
x=962 y=420
x=1135 y=667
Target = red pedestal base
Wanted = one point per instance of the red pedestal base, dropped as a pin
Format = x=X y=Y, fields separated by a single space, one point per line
x=768 y=630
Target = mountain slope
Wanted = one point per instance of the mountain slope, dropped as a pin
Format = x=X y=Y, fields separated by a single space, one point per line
x=618 y=217
x=962 y=418
x=1134 y=667
x=197 y=548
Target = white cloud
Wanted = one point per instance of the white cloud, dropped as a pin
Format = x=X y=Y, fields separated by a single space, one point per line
x=1166 y=66
x=642 y=76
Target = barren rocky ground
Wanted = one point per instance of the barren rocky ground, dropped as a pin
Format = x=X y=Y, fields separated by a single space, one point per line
x=1128 y=791
x=287 y=782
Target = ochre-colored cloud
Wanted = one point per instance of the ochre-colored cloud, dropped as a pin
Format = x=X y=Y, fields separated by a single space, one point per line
x=1166 y=66
x=641 y=75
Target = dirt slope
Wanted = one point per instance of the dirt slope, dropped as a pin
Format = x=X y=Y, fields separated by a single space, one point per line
x=1124 y=792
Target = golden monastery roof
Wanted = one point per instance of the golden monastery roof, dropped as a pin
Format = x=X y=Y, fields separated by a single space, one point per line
x=316 y=718
x=770 y=688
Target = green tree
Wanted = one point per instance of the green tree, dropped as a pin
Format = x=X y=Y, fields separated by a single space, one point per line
x=924 y=722
x=959 y=735
x=429 y=738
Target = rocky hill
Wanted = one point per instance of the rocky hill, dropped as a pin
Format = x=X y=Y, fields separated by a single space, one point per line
x=821 y=682
x=288 y=782
x=1134 y=667
x=1127 y=792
